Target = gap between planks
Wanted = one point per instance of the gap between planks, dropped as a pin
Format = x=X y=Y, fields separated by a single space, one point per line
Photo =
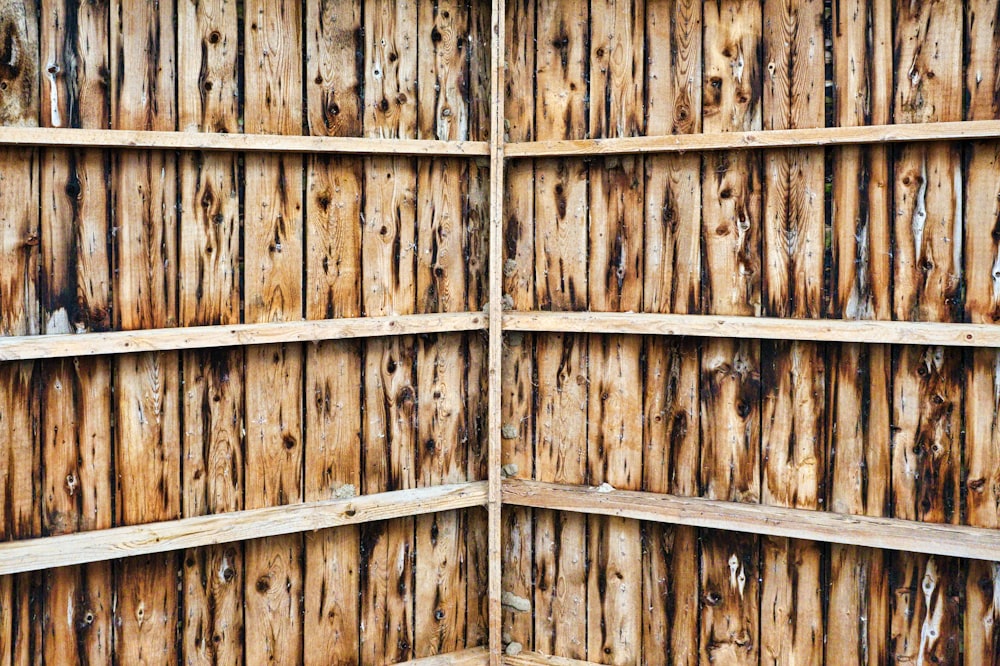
x=22 y=348
x=765 y=328
x=100 y=545
x=250 y=143
x=975 y=543
x=967 y=130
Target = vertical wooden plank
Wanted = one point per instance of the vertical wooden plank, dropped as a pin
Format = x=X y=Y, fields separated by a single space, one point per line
x=75 y=293
x=560 y=215
x=273 y=285
x=793 y=374
x=614 y=435
x=147 y=419
x=212 y=403
x=19 y=315
x=333 y=369
x=927 y=269
x=981 y=468
x=442 y=286
x=517 y=379
x=389 y=286
x=730 y=369
x=671 y=283
x=860 y=375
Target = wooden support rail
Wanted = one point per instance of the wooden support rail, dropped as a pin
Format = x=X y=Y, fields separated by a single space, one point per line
x=251 y=143
x=792 y=138
x=20 y=348
x=478 y=656
x=765 y=328
x=539 y=659
x=892 y=533
x=83 y=547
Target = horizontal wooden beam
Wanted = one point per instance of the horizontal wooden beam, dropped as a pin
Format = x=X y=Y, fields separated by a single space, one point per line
x=251 y=143
x=539 y=659
x=83 y=547
x=765 y=328
x=792 y=138
x=29 y=347
x=932 y=538
x=478 y=656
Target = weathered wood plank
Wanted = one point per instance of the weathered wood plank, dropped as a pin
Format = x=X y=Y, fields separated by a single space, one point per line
x=793 y=375
x=389 y=287
x=730 y=374
x=518 y=367
x=75 y=293
x=212 y=403
x=560 y=217
x=671 y=283
x=981 y=464
x=333 y=369
x=147 y=418
x=273 y=292
x=927 y=271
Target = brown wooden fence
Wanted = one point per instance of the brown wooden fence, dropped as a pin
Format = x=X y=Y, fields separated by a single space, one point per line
x=286 y=288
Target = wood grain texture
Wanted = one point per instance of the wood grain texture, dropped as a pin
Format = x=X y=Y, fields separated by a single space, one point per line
x=273 y=292
x=334 y=383
x=730 y=370
x=75 y=294
x=793 y=375
x=927 y=272
x=560 y=215
x=209 y=286
x=518 y=366
x=147 y=400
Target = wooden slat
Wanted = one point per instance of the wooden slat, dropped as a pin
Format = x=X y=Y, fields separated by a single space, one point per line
x=333 y=369
x=859 y=376
x=981 y=466
x=209 y=294
x=927 y=382
x=713 y=140
x=539 y=659
x=160 y=537
x=793 y=374
x=147 y=430
x=248 y=143
x=76 y=618
x=16 y=348
x=472 y=657
x=890 y=533
x=764 y=328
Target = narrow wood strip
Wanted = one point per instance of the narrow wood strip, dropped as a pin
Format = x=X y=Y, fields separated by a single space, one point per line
x=892 y=533
x=17 y=348
x=471 y=657
x=251 y=143
x=790 y=138
x=765 y=328
x=134 y=540
x=539 y=659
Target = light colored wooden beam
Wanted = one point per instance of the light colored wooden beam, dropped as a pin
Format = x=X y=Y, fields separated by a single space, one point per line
x=765 y=328
x=894 y=534
x=251 y=143
x=792 y=138
x=539 y=659
x=84 y=547
x=478 y=656
x=19 y=348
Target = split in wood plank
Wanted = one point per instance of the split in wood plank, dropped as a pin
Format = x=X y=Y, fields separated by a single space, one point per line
x=890 y=533
x=134 y=540
x=27 y=347
x=968 y=130
x=251 y=143
x=764 y=328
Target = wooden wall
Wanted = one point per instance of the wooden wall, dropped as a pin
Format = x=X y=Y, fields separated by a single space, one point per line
x=100 y=240
x=904 y=232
